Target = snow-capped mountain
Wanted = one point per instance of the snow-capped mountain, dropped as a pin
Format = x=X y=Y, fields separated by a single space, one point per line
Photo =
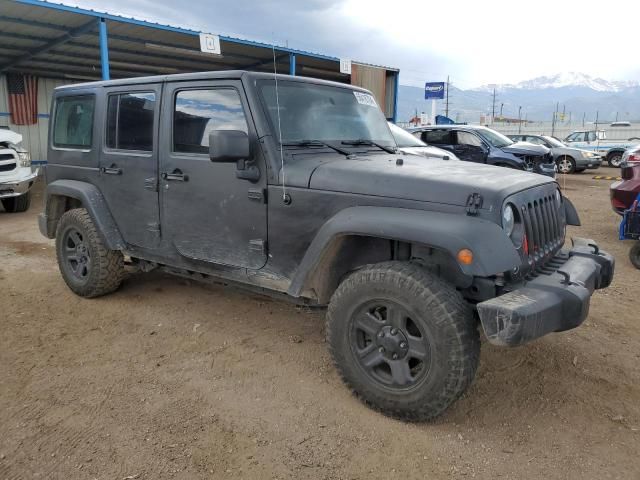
x=562 y=80
x=580 y=95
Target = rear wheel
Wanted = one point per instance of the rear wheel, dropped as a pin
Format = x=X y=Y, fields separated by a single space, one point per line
x=402 y=339
x=17 y=204
x=87 y=266
x=566 y=165
x=614 y=159
x=634 y=254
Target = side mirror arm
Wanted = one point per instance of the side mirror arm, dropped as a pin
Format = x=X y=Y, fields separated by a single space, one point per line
x=247 y=170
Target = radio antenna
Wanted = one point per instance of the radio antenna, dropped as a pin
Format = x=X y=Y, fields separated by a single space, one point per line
x=275 y=77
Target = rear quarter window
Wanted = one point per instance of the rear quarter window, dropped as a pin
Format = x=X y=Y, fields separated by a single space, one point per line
x=437 y=137
x=73 y=122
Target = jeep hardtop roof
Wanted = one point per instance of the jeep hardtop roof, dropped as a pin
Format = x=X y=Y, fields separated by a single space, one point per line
x=211 y=75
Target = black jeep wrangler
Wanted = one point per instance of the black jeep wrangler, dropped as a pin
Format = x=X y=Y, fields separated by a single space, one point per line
x=293 y=186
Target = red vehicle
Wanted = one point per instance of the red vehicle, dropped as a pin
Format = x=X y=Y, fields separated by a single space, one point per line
x=624 y=192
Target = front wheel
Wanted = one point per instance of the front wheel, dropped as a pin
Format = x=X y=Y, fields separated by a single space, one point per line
x=614 y=159
x=566 y=165
x=634 y=254
x=87 y=266
x=402 y=339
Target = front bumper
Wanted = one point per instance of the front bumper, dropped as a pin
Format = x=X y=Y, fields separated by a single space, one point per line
x=588 y=163
x=548 y=169
x=554 y=301
x=17 y=186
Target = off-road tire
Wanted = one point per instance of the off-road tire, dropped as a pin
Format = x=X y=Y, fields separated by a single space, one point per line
x=17 y=204
x=107 y=266
x=438 y=308
x=614 y=159
x=634 y=255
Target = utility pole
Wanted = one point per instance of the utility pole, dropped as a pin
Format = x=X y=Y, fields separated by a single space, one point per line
x=616 y=116
x=583 y=117
x=519 y=119
x=597 y=120
x=446 y=105
x=493 y=105
x=501 y=107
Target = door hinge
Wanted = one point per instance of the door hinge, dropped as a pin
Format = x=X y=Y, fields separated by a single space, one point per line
x=257 y=245
x=474 y=204
x=259 y=195
x=151 y=184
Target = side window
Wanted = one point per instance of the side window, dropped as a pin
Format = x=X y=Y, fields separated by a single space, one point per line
x=437 y=137
x=535 y=140
x=466 y=138
x=592 y=137
x=73 y=122
x=130 y=121
x=576 y=137
x=198 y=112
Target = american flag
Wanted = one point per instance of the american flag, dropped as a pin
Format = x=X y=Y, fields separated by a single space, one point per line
x=23 y=99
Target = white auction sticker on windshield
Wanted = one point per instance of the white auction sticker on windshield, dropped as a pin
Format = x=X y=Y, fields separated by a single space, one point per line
x=365 y=99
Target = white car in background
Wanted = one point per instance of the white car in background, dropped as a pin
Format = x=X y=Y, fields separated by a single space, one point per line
x=17 y=175
x=407 y=143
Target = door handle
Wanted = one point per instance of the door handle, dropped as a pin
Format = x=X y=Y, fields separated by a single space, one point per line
x=176 y=176
x=112 y=170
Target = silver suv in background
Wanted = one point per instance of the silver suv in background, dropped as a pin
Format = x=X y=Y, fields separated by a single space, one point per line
x=17 y=175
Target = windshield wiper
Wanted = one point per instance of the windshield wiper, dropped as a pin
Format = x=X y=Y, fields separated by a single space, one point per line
x=311 y=143
x=362 y=141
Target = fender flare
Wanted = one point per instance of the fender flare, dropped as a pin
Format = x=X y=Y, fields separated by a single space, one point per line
x=92 y=199
x=493 y=251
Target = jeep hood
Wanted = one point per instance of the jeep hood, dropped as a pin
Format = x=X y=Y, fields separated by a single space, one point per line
x=526 y=148
x=9 y=136
x=423 y=179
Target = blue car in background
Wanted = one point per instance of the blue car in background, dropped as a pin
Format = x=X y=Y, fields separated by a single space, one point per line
x=483 y=145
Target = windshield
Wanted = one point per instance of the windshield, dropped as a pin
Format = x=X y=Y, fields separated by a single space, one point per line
x=325 y=113
x=494 y=138
x=404 y=139
x=554 y=142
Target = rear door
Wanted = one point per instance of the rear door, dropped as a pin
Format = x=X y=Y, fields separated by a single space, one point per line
x=208 y=213
x=129 y=161
x=441 y=138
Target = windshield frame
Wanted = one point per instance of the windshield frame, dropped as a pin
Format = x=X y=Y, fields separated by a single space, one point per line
x=387 y=138
x=492 y=136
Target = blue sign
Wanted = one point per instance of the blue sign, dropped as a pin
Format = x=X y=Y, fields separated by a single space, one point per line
x=434 y=90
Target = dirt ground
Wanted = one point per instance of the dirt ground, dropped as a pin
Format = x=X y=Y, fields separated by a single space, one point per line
x=171 y=379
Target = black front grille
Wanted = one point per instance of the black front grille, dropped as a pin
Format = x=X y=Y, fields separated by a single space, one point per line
x=6 y=156
x=7 y=167
x=544 y=226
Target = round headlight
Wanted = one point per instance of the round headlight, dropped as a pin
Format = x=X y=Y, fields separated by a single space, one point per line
x=508 y=219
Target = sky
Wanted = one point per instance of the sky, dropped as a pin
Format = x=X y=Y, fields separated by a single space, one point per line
x=474 y=42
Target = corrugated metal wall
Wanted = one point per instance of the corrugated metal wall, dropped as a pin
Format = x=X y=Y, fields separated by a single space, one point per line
x=375 y=80
x=34 y=137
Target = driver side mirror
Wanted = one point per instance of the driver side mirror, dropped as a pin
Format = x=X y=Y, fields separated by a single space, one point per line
x=228 y=145
x=233 y=146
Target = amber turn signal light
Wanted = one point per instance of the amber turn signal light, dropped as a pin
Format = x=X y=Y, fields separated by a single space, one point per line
x=465 y=256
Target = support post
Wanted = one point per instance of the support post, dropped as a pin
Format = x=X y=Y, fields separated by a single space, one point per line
x=104 y=49
x=292 y=64
x=433 y=111
x=395 y=98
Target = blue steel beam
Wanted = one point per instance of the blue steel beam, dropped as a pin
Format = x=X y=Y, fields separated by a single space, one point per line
x=53 y=43
x=104 y=49
x=292 y=64
x=395 y=97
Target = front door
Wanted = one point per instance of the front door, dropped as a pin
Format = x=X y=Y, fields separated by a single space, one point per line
x=129 y=162
x=208 y=213
x=469 y=147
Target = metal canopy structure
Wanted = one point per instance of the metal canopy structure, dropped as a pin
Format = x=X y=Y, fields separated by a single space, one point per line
x=60 y=41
